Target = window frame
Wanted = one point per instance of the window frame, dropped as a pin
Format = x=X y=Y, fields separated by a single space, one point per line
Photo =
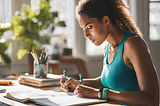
x=153 y=24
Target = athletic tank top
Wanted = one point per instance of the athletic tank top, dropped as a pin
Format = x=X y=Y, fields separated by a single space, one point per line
x=117 y=75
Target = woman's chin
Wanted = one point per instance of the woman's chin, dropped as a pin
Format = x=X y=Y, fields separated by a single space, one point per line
x=97 y=44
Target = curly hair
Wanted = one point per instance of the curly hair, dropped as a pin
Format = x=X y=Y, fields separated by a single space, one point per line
x=116 y=10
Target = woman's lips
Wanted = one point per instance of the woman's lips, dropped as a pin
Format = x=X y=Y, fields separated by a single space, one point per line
x=92 y=41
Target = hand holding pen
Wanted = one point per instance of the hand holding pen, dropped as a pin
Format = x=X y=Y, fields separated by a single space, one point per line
x=69 y=84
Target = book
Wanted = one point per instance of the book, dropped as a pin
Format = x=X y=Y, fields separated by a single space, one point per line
x=50 y=98
x=51 y=80
x=26 y=96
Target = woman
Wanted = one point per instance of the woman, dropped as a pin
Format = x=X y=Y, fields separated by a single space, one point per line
x=128 y=76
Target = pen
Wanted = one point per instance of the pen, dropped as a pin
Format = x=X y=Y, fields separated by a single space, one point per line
x=80 y=76
x=43 y=58
x=40 y=57
x=64 y=73
x=5 y=82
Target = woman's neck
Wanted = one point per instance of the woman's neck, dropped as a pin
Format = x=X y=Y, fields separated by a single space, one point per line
x=115 y=36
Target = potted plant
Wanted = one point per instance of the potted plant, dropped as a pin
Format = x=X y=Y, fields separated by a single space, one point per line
x=27 y=25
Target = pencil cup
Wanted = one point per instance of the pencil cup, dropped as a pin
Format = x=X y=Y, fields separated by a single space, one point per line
x=40 y=70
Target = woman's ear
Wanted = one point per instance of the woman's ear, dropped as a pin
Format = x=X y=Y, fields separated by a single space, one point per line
x=106 y=20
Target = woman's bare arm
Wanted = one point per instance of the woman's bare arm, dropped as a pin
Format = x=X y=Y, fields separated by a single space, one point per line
x=95 y=82
x=146 y=74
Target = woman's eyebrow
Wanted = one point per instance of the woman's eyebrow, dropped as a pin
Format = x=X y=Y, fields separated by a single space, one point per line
x=87 y=24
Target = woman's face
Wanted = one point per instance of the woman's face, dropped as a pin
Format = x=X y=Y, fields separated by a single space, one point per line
x=93 y=29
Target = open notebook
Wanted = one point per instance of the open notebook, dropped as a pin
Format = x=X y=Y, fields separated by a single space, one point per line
x=50 y=98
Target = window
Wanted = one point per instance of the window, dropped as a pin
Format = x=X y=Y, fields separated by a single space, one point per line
x=65 y=9
x=154 y=20
x=5 y=7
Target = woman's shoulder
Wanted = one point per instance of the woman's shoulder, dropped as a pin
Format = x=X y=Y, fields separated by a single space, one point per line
x=135 y=42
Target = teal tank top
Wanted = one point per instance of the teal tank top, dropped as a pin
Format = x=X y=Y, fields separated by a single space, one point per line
x=117 y=75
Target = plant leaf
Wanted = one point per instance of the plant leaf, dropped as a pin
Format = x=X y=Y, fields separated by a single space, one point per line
x=7 y=59
x=21 y=53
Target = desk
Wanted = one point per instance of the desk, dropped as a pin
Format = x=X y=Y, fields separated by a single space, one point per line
x=69 y=59
x=54 y=88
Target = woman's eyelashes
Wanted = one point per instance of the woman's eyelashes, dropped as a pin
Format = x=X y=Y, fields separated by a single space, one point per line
x=89 y=27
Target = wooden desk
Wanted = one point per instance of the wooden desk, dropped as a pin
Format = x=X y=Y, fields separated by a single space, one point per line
x=69 y=59
x=54 y=88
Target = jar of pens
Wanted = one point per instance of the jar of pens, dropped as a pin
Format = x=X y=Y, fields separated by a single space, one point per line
x=40 y=64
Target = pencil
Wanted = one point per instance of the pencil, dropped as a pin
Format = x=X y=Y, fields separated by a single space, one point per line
x=34 y=57
x=46 y=54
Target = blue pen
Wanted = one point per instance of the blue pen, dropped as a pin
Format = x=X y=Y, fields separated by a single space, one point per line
x=64 y=73
x=80 y=76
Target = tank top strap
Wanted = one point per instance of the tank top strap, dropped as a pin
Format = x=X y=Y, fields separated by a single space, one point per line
x=106 y=51
x=125 y=37
x=121 y=45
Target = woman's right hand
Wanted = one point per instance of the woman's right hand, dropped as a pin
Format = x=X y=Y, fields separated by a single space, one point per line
x=69 y=85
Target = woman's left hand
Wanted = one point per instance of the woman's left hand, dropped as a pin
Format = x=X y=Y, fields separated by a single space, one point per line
x=86 y=91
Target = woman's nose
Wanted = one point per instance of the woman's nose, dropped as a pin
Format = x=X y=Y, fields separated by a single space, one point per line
x=86 y=34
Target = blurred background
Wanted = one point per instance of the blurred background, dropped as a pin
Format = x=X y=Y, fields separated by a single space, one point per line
x=37 y=25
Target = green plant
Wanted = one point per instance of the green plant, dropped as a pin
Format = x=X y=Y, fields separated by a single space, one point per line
x=4 y=45
x=27 y=24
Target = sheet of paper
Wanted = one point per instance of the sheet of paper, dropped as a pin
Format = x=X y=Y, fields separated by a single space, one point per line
x=51 y=98
x=54 y=76
x=63 y=99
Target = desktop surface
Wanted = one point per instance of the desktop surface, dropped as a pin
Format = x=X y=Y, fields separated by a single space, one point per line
x=16 y=86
